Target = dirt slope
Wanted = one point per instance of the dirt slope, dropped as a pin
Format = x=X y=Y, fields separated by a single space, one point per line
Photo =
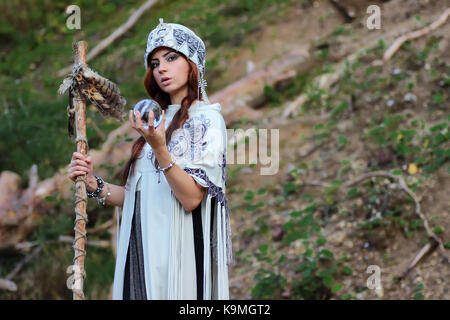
x=390 y=249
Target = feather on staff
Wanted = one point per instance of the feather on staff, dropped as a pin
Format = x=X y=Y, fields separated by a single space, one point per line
x=103 y=93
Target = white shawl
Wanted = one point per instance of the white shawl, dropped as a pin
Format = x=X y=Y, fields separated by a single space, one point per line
x=170 y=250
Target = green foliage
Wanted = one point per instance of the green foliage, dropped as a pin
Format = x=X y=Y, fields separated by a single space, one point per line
x=341 y=30
x=273 y=95
x=253 y=207
x=269 y=284
x=426 y=147
x=418 y=291
x=51 y=227
x=100 y=278
x=302 y=225
x=315 y=273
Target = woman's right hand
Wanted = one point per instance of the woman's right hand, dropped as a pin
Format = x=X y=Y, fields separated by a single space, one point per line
x=82 y=165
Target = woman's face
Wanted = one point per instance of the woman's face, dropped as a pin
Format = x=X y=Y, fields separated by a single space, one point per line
x=170 y=70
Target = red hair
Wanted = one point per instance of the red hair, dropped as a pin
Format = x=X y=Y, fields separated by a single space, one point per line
x=163 y=98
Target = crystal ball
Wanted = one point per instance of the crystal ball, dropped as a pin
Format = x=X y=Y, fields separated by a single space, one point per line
x=144 y=107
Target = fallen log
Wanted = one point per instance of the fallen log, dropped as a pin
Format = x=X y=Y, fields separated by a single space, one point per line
x=242 y=97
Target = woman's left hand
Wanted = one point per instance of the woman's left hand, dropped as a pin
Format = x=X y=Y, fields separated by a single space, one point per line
x=155 y=137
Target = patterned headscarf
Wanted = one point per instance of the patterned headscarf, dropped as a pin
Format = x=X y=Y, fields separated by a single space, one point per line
x=181 y=39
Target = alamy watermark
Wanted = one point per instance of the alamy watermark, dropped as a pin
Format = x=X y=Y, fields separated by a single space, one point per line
x=74 y=19
x=374 y=281
x=195 y=143
x=374 y=20
x=258 y=148
x=74 y=282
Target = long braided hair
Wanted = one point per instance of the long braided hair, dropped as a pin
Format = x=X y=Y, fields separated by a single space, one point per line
x=163 y=98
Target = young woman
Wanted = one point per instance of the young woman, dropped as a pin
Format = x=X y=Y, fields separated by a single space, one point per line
x=175 y=237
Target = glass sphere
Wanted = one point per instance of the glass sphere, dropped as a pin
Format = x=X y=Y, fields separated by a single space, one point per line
x=144 y=107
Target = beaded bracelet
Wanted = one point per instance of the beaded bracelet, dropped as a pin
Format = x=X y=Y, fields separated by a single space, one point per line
x=168 y=167
x=159 y=169
x=108 y=193
x=100 y=184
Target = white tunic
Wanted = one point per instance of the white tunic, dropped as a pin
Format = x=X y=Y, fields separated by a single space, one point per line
x=199 y=148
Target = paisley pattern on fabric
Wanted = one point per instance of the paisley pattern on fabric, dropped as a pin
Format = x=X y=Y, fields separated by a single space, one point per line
x=189 y=141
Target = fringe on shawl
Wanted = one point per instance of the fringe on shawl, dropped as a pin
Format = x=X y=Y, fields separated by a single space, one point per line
x=216 y=191
x=215 y=285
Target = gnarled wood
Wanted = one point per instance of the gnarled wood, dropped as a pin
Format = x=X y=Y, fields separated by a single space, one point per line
x=80 y=49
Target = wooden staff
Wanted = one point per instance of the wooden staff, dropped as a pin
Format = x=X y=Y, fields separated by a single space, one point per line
x=84 y=83
x=81 y=220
